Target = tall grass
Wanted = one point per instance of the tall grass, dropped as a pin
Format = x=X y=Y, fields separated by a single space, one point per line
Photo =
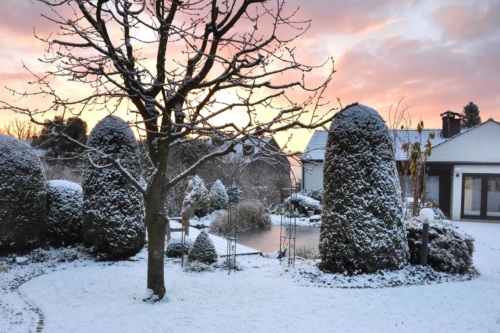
x=307 y=252
x=249 y=215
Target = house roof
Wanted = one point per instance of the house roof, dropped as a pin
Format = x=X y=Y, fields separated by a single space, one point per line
x=315 y=150
x=257 y=145
x=468 y=129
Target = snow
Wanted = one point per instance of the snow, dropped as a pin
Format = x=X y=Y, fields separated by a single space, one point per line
x=306 y=202
x=61 y=184
x=300 y=221
x=21 y=260
x=87 y=296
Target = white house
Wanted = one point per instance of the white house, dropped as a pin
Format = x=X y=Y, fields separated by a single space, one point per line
x=464 y=167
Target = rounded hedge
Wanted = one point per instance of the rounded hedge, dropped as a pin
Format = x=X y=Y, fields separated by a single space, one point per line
x=203 y=250
x=450 y=249
x=22 y=196
x=113 y=209
x=174 y=247
x=362 y=228
x=64 y=213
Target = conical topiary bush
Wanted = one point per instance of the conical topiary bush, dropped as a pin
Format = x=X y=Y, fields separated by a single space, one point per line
x=113 y=209
x=218 y=196
x=362 y=227
x=22 y=196
x=203 y=250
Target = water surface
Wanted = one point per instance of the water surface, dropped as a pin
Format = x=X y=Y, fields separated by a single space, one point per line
x=268 y=239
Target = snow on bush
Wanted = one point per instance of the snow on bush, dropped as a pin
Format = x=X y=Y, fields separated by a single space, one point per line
x=362 y=229
x=196 y=196
x=307 y=203
x=248 y=215
x=174 y=247
x=113 y=209
x=64 y=213
x=203 y=250
x=22 y=196
x=218 y=196
x=450 y=250
x=316 y=194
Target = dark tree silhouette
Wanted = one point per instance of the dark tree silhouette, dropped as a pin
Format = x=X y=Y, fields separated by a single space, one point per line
x=470 y=116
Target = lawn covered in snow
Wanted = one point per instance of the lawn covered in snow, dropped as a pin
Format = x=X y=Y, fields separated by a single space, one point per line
x=87 y=296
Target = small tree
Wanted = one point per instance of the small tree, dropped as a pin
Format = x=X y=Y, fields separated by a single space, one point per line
x=56 y=146
x=417 y=163
x=112 y=207
x=218 y=196
x=362 y=229
x=470 y=115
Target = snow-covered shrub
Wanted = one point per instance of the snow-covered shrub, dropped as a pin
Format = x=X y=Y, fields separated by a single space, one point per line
x=304 y=203
x=203 y=250
x=316 y=194
x=362 y=229
x=450 y=249
x=218 y=196
x=64 y=213
x=113 y=208
x=235 y=195
x=22 y=196
x=248 y=215
x=174 y=247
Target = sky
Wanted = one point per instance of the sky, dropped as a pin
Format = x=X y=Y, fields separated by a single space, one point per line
x=436 y=55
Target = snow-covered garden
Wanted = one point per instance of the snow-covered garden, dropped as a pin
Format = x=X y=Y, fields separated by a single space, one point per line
x=84 y=267
x=72 y=293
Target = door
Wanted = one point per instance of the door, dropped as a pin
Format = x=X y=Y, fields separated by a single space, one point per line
x=481 y=196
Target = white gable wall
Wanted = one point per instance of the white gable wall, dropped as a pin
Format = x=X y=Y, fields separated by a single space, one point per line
x=479 y=145
x=312 y=175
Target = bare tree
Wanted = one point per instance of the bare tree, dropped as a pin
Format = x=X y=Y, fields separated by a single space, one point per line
x=399 y=124
x=216 y=49
x=20 y=129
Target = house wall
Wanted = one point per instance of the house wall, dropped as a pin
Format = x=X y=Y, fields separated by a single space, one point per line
x=480 y=144
x=312 y=175
x=456 y=186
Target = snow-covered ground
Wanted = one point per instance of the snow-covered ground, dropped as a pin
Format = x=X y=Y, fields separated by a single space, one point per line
x=85 y=296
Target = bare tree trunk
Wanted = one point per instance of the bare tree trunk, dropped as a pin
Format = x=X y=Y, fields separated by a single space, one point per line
x=156 y=222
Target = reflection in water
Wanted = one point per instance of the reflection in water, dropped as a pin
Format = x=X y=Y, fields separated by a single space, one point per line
x=268 y=239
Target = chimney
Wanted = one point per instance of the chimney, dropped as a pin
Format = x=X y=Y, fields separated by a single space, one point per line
x=451 y=124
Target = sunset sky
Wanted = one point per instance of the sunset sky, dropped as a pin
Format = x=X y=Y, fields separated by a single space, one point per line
x=438 y=55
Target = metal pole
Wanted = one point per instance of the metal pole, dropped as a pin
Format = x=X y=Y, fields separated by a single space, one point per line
x=425 y=243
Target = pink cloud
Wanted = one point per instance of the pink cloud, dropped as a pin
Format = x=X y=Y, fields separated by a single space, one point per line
x=468 y=22
x=431 y=76
x=351 y=17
